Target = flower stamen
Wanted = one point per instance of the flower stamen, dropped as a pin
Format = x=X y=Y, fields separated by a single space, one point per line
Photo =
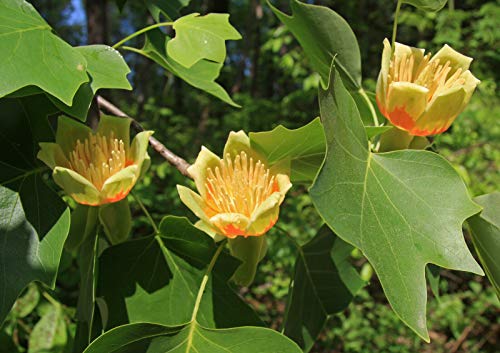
x=239 y=185
x=98 y=157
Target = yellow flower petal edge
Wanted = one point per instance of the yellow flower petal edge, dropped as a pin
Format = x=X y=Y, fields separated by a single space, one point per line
x=96 y=168
x=422 y=94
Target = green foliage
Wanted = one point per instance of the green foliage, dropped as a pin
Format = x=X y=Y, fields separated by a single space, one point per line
x=302 y=150
x=325 y=35
x=191 y=338
x=26 y=255
x=485 y=232
x=322 y=269
x=427 y=5
x=354 y=192
x=201 y=37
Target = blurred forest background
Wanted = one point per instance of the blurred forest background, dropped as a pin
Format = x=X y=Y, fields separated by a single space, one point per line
x=268 y=74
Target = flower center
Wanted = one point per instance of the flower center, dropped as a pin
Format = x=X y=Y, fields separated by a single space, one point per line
x=98 y=157
x=432 y=75
x=239 y=186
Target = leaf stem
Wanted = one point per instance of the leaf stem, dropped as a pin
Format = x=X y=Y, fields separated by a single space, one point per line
x=205 y=280
x=373 y=112
x=141 y=31
x=395 y=26
x=146 y=212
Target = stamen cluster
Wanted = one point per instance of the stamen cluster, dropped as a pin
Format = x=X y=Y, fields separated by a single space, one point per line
x=432 y=75
x=239 y=185
x=98 y=157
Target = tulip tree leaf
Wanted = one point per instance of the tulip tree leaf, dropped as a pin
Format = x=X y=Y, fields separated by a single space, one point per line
x=324 y=284
x=427 y=5
x=166 y=272
x=485 y=233
x=201 y=75
x=106 y=68
x=191 y=338
x=201 y=37
x=402 y=209
x=23 y=256
x=34 y=221
x=324 y=35
x=32 y=55
x=304 y=148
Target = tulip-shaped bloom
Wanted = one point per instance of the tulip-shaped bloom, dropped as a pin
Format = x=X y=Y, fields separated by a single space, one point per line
x=239 y=194
x=420 y=94
x=96 y=168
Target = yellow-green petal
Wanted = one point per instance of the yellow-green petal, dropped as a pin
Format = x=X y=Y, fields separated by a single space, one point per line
x=139 y=148
x=457 y=60
x=442 y=110
x=409 y=96
x=118 y=125
x=238 y=142
x=284 y=185
x=417 y=53
x=76 y=186
x=266 y=215
x=117 y=186
x=470 y=85
x=69 y=131
x=52 y=155
x=206 y=159
x=250 y=251
x=194 y=202
x=209 y=230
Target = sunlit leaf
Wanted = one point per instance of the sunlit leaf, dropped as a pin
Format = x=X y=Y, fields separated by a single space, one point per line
x=49 y=334
x=403 y=209
x=166 y=271
x=191 y=338
x=201 y=37
x=324 y=35
x=304 y=148
x=33 y=55
x=201 y=75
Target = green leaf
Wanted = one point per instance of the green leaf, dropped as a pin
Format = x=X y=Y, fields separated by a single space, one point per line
x=116 y=220
x=201 y=75
x=107 y=69
x=85 y=310
x=485 y=233
x=403 y=209
x=25 y=304
x=33 y=252
x=365 y=108
x=324 y=35
x=24 y=256
x=83 y=225
x=372 y=131
x=32 y=55
x=432 y=272
x=304 y=148
x=166 y=271
x=324 y=284
x=201 y=37
x=191 y=338
x=427 y=5
x=49 y=335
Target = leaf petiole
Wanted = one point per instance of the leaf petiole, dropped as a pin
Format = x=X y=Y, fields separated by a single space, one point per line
x=146 y=212
x=141 y=31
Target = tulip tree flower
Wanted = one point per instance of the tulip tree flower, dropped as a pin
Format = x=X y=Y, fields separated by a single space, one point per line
x=239 y=198
x=96 y=168
x=422 y=94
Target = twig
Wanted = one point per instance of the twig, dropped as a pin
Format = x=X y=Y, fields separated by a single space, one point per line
x=178 y=162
